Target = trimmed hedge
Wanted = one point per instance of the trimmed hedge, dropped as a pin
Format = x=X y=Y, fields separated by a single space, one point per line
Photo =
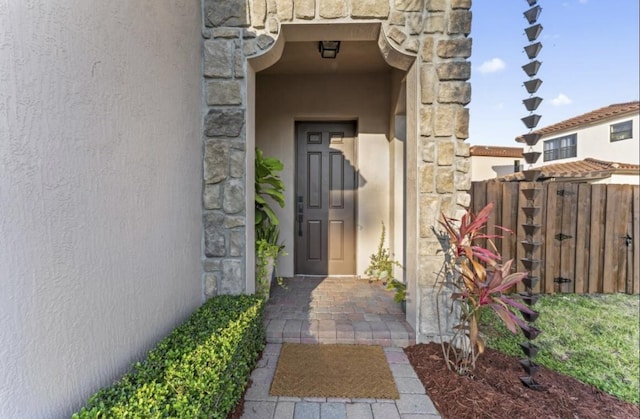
x=199 y=370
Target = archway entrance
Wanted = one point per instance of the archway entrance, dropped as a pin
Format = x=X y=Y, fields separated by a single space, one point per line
x=409 y=148
x=294 y=85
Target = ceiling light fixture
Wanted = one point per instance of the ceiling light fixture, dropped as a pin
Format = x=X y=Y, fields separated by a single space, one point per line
x=329 y=49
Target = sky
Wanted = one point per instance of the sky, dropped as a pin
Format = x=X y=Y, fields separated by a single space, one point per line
x=589 y=60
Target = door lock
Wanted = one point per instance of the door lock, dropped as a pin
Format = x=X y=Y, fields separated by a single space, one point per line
x=300 y=213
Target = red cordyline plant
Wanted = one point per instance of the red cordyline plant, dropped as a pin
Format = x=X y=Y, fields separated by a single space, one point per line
x=478 y=281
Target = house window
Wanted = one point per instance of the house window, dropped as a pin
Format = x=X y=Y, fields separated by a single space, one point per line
x=516 y=166
x=560 y=148
x=621 y=131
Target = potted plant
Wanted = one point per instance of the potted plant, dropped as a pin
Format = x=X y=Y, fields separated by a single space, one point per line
x=267 y=251
x=381 y=263
x=268 y=186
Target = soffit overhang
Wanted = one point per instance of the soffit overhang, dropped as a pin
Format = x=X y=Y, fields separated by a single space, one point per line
x=364 y=49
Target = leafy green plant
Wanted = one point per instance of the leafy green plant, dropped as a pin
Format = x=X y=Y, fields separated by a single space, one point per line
x=400 y=289
x=477 y=281
x=381 y=263
x=199 y=370
x=267 y=185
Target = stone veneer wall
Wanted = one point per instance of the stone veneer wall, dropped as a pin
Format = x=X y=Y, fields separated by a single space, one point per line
x=435 y=31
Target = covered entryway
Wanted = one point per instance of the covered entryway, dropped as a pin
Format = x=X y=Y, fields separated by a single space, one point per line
x=337 y=126
x=400 y=74
x=326 y=185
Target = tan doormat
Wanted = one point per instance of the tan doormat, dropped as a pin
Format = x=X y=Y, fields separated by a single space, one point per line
x=344 y=371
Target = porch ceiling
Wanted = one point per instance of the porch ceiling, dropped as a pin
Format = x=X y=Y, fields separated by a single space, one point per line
x=354 y=57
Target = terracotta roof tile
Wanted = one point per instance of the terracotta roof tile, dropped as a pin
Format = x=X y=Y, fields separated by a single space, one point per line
x=588 y=118
x=588 y=168
x=494 y=151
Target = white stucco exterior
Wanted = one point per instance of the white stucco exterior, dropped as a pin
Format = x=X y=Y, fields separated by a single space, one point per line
x=281 y=100
x=593 y=141
x=100 y=191
x=625 y=179
x=490 y=167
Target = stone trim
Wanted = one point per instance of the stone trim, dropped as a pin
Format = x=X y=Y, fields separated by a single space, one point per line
x=435 y=32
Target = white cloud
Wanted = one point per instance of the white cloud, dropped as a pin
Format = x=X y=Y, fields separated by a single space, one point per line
x=492 y=66
x=561 y=100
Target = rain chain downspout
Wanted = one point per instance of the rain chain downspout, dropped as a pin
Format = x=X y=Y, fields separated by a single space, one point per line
x=531 y=209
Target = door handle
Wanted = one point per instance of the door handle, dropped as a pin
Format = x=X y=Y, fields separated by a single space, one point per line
x=300 y=214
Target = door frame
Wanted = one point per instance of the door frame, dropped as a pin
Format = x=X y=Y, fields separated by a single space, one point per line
x=353 y=121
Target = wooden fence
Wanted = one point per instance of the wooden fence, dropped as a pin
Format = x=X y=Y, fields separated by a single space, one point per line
x=588 y=234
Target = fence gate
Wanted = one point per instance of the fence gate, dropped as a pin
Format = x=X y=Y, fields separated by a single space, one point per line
x=589 y=233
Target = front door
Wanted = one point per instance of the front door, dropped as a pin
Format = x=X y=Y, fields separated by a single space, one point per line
x=325 y=198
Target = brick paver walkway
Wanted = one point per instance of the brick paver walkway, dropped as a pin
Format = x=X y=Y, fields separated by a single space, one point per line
x=343 y=311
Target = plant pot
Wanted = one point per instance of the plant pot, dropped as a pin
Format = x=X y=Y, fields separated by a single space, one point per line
x=264 y=281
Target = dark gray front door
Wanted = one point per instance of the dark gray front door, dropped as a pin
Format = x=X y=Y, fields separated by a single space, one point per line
x=325 y=198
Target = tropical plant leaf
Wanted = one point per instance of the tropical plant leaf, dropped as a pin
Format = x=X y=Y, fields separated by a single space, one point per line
x=273 y=219
x=481 y=345
x=273 y=181
x=485 y=255
x=479 y=270
x=259 y=218
x=506 y=316
x=479 y=281
x=473 y=331
x=267 y=184
x=516 y=304
x=276 y=195
x=510 y=281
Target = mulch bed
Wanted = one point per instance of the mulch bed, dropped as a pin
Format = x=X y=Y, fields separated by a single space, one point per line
x=495 y=391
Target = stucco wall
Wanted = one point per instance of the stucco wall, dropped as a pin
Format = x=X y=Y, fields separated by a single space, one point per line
x=100 y=191
x=621 y=179
x=486 y=167
x=281 y=100
x=593 y=141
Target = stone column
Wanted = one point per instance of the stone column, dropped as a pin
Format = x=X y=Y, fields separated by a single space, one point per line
x=228 y=40
x=444 y=166
x=224 y=218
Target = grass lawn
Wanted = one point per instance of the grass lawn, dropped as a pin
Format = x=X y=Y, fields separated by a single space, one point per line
x=593 y=338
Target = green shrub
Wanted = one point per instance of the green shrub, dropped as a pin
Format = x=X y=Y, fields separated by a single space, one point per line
x=199 y=370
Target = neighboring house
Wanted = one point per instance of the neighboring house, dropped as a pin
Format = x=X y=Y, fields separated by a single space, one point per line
x=489 y=162
x=609 y=134
x=127 y=138
x=587 y=170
